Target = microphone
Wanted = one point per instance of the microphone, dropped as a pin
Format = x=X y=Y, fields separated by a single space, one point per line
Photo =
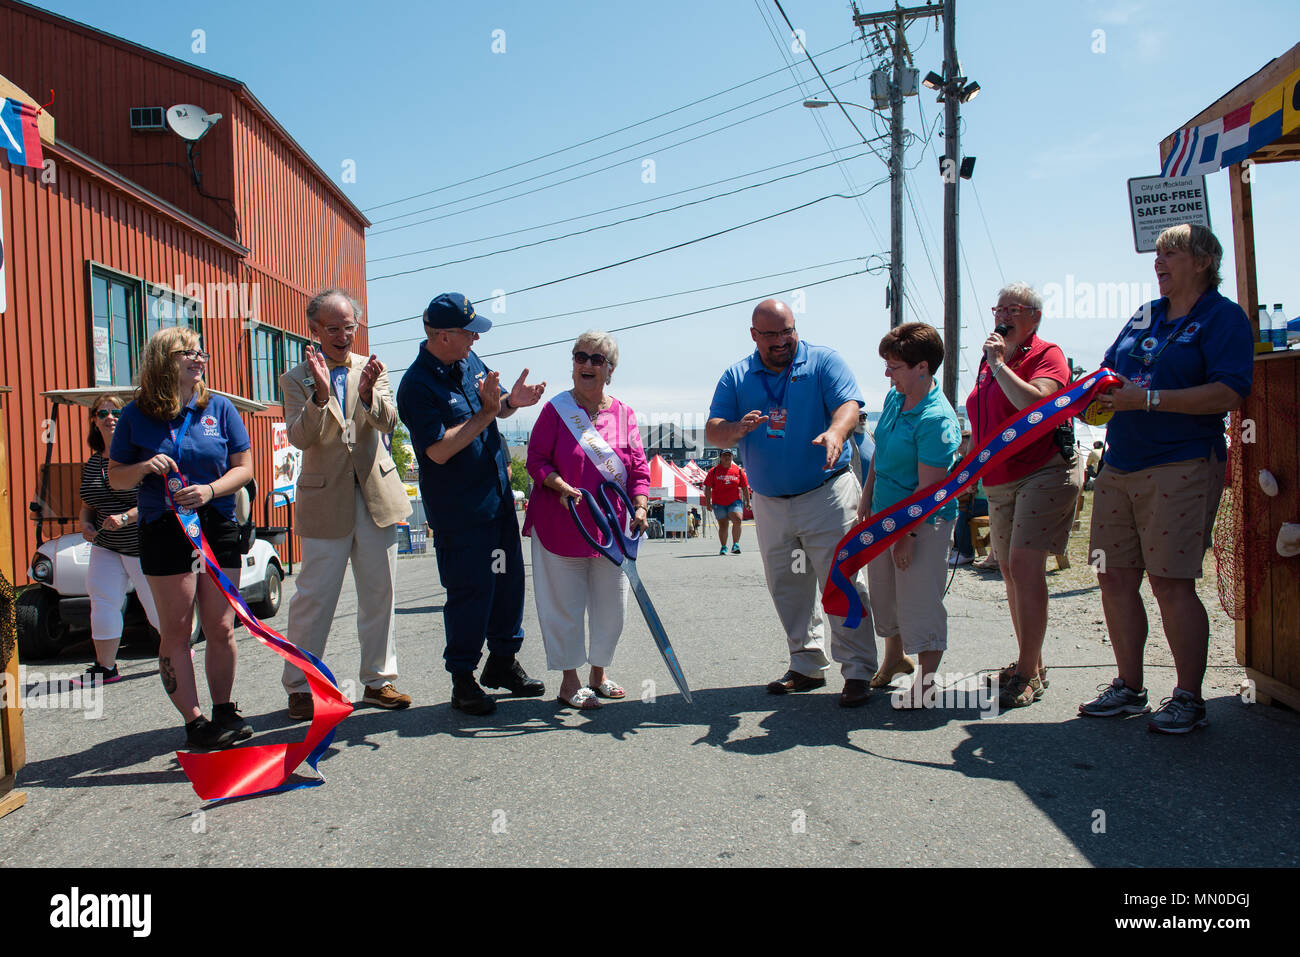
x=1002 y=330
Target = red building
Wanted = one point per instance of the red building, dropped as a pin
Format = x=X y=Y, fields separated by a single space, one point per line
x=127 y=228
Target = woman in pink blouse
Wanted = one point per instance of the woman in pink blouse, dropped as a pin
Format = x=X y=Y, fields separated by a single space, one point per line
x=571 y=580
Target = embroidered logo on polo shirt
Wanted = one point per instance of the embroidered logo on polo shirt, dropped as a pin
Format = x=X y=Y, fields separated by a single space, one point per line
x=209 y=423
x=1189 y=332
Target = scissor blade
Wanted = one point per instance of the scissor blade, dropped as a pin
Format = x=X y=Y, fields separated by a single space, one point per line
x=657 y=631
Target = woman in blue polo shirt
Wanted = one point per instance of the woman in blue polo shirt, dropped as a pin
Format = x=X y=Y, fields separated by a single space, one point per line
x=916 y=445
x=1186 y=359
x=176 y=428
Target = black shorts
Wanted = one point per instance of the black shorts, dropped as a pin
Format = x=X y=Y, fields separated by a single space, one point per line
x=165 y=549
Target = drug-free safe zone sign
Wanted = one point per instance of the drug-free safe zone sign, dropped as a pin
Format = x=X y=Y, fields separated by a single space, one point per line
x=1158 y=202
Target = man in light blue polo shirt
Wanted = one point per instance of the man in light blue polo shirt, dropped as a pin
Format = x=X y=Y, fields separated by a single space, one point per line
x=791 y=407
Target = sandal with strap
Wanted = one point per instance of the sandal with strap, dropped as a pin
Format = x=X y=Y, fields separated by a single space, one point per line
x=584 y=699
x=608 y=689
x=886 y=675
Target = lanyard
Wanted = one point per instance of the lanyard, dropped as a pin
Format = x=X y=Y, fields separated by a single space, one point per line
x=1152 y=347
x=178 y=483
x=778 y=400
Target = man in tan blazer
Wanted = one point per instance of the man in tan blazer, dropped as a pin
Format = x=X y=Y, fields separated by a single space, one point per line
x=337 y=408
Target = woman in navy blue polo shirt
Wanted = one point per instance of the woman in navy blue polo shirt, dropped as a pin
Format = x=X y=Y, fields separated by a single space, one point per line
x=176 y=429
x=1186 y=359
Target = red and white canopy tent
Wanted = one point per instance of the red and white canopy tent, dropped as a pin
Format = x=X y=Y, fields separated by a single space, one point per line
x=697 y=474
x=670 y=483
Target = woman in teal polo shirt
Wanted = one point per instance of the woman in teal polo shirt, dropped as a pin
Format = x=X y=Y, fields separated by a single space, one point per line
x=916 y=445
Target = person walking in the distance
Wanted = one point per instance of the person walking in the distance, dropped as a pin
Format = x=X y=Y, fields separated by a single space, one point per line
x=726 y=491
x=791 y=408
x=450 y=402
x=338 y=406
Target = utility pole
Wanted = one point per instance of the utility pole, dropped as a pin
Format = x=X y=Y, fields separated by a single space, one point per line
x=951 y=179
x=897 y=18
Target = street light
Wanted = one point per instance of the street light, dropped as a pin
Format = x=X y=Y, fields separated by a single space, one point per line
x=815 y=104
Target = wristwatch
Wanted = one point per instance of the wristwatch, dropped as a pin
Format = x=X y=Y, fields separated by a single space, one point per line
x=1155 y=398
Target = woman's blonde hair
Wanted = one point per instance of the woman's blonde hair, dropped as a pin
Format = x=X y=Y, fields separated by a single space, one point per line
x=158 y=394
x=94 y=438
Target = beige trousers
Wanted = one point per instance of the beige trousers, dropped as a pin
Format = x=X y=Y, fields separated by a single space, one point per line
x=797 y=538
x=373 y=552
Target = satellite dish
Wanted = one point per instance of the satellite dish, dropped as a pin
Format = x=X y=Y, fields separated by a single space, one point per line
x=190 y=122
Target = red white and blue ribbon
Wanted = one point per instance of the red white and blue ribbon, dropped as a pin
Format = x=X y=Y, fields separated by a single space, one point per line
x=260 y=768
x=872 y=537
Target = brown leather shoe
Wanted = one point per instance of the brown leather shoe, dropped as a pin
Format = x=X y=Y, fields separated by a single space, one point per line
x=856 y=692
x=386 y=697
x=792 y=681
x=300 y=706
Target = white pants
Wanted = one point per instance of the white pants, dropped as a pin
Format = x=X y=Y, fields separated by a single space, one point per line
x=106 y=580
x=373 y=551
x=797 y=538
x=567 y=590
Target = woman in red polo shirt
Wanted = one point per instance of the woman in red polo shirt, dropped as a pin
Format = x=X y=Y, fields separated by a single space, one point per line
x=1032 y=493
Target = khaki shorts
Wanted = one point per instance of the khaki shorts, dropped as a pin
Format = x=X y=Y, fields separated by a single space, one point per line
x=1158 y=519
x=908 y=602
x=1036 y=511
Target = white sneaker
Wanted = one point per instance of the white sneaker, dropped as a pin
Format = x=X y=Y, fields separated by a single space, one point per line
x=956 y=559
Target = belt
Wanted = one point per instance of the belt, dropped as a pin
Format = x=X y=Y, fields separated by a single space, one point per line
x=830 y=478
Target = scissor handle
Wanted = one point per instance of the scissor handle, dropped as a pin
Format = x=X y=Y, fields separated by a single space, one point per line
x=629 y=545
x=607 y=548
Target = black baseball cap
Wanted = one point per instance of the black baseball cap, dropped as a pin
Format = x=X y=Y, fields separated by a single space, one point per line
x=451 y=310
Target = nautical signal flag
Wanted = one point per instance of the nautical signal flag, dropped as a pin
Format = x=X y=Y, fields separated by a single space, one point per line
x=1223 y=142
x=19 y=135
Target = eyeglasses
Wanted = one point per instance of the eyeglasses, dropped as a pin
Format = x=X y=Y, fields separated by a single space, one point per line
x=787 y=333
x=347 y=330
x=581 y=358
x=463 y=332
x=105 y=413
x=193 y=354
x=1014 y=312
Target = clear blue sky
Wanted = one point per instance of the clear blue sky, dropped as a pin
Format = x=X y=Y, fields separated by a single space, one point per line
x=414 y=94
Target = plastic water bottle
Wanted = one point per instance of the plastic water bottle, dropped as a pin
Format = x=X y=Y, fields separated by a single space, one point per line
x=1265 y=326
x=1278 y=327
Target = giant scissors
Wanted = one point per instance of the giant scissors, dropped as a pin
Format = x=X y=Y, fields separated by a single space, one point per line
x=620 y=548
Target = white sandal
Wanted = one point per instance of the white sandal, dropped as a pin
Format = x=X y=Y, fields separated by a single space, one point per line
x=584 y=699
x=608 y=689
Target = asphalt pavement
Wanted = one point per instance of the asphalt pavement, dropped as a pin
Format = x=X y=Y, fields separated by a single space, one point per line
x=739 y=777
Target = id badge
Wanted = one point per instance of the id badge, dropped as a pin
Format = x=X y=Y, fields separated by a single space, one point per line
x=776 y=423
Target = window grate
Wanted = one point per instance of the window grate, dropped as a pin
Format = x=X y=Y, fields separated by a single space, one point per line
x=148 y=118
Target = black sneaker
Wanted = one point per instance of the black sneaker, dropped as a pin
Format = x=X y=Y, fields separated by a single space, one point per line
x=508 y=673
x=227 y=717
x=467 y=696
x=97 y=674
x=202 y=735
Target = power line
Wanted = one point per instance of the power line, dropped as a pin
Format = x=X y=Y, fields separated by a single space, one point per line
x=620 y=222
x=636 y=302
x=599 y=156
x=497 y=202
x=656 y=252
x=623 y=129
x=600 y=212
x=651 y=322
x=988 y=232
x=819 y=73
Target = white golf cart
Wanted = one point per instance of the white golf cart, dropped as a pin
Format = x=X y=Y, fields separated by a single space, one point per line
x=55 y=610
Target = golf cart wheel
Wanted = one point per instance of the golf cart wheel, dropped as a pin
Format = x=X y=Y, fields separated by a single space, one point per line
x=36 y=617
x=269 y=606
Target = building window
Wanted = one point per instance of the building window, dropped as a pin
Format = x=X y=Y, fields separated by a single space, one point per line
x=266 y=356
x=125 y=312
x=295 y=351
x=165 y=309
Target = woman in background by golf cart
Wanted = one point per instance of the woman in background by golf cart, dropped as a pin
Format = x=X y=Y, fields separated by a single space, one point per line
x=176 y=426
x=109 y=521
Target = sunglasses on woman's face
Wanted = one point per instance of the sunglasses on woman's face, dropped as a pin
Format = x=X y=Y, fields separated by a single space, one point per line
x=581 y=358
x=105 y=413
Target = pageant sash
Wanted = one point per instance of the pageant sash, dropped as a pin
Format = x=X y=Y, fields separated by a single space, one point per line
x=591 y=442
x=259 y=768
x=870 y=538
